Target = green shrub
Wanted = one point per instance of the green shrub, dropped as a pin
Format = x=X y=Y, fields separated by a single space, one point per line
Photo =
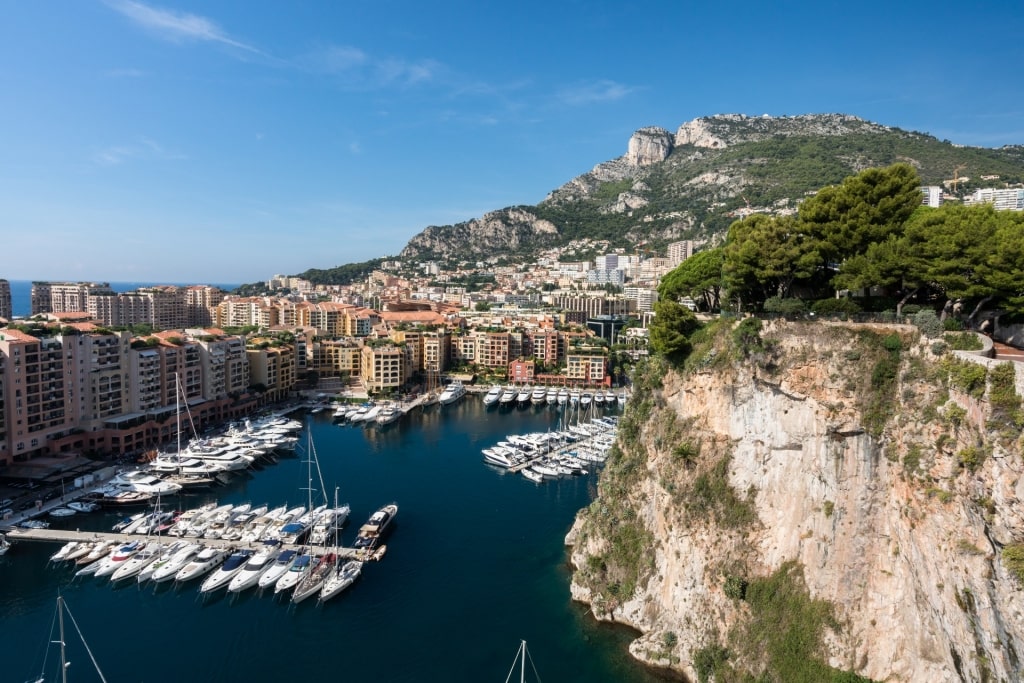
x=828 y=507
x=1002 y=395
x=926 y=321
x=1013 y=558
x=735 y=587
x=971 y=458
x=952 y=324
x=709 y=661
x=939 y=348
x=747 y=336
x=711 y=495
x=835 y=306
x=911 y=309
x=912 y=458
x=777 y=304
x=963 y=341
x=966 y=376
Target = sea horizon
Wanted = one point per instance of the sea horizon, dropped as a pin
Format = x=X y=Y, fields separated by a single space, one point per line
x=21 y=291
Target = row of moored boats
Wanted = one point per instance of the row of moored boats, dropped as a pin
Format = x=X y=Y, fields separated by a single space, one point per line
x=317 y=567
x=561 y=396
x=549 y=455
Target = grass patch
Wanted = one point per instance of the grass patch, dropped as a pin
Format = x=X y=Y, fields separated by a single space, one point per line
x=712 y=496
x=1013 y=560
x=963 y=341
x=966 y=376
x=783 y=637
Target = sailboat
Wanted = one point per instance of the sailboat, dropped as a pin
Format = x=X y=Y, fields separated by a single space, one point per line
x=522 y=654
x=62 y=607
x=342 y=575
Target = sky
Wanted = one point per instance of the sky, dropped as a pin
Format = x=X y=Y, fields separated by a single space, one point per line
x=230 y=141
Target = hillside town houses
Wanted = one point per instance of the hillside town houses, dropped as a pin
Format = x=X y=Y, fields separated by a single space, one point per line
x=98 y=372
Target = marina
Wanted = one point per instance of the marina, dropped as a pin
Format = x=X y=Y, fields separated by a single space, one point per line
x=479 y=550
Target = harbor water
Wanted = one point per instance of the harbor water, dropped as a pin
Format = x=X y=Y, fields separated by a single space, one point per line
x=475 y=564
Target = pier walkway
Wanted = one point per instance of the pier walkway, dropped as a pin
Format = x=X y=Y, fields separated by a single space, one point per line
x=66 y=536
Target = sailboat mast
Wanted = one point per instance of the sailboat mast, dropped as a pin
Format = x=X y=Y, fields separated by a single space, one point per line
x=63 y=654
x=522 y=666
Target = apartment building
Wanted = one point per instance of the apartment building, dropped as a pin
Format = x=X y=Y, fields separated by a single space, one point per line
x=542 y=345
x=200 y=300
x=335 y=357
x=931 y=195
x=1008 y=199
x=66 y=297
x=645 y=297
x=272 y=365
x=36 y=401
x=596 y=305
x=586 y=369
x=6 y=307
x=382 y=367
x=224 y=367
x=679 y=252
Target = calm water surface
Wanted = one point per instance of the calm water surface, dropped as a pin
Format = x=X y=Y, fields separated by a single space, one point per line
x=475 y=563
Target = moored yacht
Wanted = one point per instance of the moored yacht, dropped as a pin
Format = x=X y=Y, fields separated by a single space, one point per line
x=508 y=396
x=282 y=563
x=223 y=575
x=343 y=576
x=492 y=396
x=452 y=393
x=207 y=559
x=538 y=396
x=376 y=527
x=252 y=571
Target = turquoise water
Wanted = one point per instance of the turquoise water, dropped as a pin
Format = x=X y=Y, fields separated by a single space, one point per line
x=475 y=563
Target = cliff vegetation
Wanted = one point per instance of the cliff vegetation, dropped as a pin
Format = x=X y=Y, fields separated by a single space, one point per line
x=807 y=501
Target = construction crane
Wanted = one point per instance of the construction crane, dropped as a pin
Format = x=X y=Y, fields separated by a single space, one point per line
x=956 y=176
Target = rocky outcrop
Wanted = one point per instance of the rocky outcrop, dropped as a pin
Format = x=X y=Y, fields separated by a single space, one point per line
x=723 y=130
x=493 y=234
x=649 y=146
x=893 y=530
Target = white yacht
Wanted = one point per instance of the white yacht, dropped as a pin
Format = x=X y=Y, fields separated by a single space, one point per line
x=452 y=393
x=551 y=396
x=282 y=563
x=115 y=559
x=207 y=559
x=523 y=397
x=139 y=561
x=328 y=523
x=252 y=571
x=296 y=571
x=563 y=396
x=508 y=395
x=223 y=574
x=492 y=396
x=138 y=481
x=538 y=396
x=388 y=414
x=168 y=564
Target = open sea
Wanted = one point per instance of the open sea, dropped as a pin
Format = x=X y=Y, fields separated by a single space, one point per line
x=21 y=292
x=475 y=564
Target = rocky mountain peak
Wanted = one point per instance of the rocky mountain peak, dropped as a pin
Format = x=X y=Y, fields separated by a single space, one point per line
x=649 y=146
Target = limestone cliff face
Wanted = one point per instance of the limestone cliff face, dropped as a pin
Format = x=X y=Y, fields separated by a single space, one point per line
x=484 y=237
x=893 y=530
x=649 y=146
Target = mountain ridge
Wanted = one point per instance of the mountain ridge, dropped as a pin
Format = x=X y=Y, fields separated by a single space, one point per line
x=690 y=184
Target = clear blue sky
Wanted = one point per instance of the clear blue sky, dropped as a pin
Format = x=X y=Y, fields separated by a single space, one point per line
x=228 y=141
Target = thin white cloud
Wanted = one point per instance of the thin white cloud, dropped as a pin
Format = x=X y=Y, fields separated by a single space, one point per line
x=144 y=149
x=593 y=92
x=356 y=68
x=124 y=73
x=176 y=26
